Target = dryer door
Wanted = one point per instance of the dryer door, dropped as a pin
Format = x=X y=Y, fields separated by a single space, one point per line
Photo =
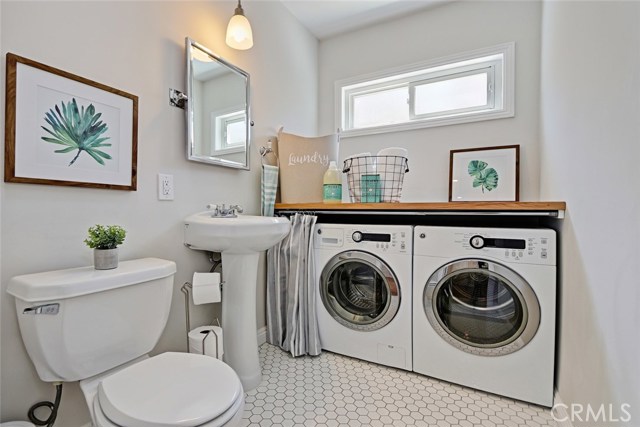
x=481 y=307
x=359 y=290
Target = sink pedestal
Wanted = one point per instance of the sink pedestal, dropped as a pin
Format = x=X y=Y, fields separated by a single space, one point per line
x=240 y=239
x=240 y=273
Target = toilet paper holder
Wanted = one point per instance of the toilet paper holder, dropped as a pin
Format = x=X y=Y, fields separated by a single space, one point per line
x=204 y=338
x=186 y=289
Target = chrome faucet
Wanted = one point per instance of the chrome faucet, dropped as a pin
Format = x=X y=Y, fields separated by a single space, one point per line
x=221 y=211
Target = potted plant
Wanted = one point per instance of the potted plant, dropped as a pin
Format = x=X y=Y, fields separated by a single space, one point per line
x=104 y=240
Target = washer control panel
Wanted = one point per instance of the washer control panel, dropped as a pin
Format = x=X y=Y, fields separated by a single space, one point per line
x=374 y=239
x=385 y=241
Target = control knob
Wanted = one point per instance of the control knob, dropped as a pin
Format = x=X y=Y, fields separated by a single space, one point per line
x=356 y=236
x=477 y=242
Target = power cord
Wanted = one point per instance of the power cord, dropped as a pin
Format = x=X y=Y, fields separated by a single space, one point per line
x=52 y=406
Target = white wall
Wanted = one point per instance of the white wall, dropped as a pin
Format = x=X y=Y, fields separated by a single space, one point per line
x=449 y=29
x=590 y=133
x=139 y=47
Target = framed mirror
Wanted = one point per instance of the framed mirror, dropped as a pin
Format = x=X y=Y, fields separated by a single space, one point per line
x=218 y=113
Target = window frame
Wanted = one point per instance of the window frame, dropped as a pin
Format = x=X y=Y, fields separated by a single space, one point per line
x=501 y=86
x=219 y=122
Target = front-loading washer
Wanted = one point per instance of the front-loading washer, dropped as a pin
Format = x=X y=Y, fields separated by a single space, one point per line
x=363 y=291
x=484 y=309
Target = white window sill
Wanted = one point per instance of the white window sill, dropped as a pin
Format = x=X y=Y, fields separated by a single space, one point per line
x=428 y=123
x=228 y=151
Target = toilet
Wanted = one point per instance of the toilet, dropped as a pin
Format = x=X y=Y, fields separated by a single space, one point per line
x=98 y=326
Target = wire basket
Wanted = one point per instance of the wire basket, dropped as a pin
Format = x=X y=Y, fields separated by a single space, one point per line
x=375 y=179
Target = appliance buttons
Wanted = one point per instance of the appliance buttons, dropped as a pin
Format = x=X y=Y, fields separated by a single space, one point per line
x=520 y=254
x=477 y=242
x=506 y=253
x=543 y=254
x=357 y=236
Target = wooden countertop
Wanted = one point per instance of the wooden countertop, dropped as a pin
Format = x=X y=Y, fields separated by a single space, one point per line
x=428 y=206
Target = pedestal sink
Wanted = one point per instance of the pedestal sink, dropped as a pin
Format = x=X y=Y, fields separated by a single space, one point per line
x=240 y=240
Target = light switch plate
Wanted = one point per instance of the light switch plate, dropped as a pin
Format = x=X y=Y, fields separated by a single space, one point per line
x=165 y=186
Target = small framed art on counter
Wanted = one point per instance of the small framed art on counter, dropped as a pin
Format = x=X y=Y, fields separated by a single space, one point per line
x=485 y=174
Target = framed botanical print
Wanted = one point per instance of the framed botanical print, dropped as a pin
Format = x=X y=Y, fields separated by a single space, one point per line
x=63 y=129
x=485 y=174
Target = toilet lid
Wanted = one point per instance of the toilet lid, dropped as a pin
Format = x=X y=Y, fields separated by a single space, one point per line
x=171 y=389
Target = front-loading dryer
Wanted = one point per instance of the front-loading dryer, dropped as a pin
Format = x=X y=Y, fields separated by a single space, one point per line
x=363 y=291
x=484 y=308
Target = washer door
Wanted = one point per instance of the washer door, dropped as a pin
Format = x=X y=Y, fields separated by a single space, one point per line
x=359 y=290
x=481 y=307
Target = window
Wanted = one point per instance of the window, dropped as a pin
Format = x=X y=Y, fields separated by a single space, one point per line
x=229 y=131
x=463 y=88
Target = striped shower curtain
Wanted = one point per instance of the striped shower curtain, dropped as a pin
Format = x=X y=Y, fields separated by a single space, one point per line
x=291 y=300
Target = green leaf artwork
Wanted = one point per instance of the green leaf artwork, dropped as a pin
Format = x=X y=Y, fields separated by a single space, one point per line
x=482 y=176
x=77 y=129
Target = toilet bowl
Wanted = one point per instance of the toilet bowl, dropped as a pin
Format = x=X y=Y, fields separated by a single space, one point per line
x=98 y=326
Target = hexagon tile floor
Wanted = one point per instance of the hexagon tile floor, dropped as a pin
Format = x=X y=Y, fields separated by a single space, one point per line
x=334 y=390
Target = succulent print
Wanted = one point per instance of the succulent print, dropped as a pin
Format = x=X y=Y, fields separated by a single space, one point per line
x=483 y=177
x=77 y=129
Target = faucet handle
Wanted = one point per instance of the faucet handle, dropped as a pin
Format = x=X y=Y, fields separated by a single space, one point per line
x=237 y=208
x=212 y=207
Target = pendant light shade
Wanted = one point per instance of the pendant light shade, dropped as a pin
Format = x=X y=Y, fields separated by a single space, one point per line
x=239 y=34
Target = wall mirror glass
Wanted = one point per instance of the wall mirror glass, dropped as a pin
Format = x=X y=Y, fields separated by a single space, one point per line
x=218 y=119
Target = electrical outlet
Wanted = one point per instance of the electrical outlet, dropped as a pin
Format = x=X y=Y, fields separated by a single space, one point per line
x=165 y=186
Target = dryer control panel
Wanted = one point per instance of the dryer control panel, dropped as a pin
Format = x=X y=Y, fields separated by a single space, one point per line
x=375 y=239
x=531 y=246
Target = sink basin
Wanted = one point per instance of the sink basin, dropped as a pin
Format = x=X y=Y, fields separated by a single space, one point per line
x=244 y=234
x=240 y=240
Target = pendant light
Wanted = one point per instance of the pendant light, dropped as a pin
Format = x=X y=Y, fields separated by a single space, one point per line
x=239 y=34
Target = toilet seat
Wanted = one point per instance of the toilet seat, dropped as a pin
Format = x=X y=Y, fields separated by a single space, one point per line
x=169 y=390
x=231 y=418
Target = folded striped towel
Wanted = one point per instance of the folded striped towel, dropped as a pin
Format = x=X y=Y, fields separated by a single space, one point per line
x=269 y=188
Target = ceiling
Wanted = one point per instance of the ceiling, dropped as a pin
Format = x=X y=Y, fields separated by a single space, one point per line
x=326 y=18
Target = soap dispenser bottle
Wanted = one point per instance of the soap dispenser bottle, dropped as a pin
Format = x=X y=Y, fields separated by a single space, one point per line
x=332 y=184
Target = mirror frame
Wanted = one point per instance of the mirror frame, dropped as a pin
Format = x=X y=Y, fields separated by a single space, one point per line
x=189 y=43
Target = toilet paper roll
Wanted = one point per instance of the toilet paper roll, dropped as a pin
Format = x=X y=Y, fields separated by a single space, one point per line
x=206 y=340
x=206 y=288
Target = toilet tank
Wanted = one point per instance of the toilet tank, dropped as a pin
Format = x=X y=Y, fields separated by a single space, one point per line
x=81 y=322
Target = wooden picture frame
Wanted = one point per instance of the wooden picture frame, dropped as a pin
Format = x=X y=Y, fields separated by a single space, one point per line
x=63 y=129
x=485 y=174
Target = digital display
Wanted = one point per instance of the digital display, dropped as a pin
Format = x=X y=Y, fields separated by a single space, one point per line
x=374 y=237
x=331 y=240
x=505 y=243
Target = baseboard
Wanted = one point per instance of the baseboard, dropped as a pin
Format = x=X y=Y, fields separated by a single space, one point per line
x=262 y=335
x=559 y=412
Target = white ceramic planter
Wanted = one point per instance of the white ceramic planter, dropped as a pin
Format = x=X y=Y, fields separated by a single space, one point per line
x=105 y=259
